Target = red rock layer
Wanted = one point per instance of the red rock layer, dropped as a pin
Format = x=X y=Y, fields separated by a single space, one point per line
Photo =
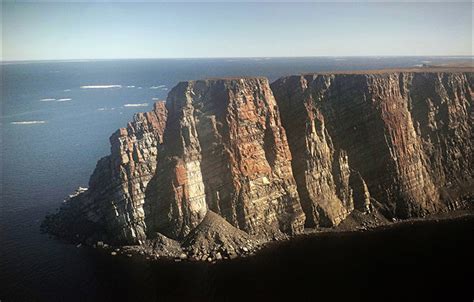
x=225 y=150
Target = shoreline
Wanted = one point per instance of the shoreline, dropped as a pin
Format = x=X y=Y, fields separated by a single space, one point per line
x=146 y=253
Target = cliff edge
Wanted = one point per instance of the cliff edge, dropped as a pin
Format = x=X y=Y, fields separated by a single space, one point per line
x=225 y=165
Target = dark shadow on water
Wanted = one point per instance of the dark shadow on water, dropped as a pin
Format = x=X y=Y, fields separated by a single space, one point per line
x=424 y=262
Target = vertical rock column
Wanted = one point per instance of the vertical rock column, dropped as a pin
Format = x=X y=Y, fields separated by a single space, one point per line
x=227 y=135
x=321 y=169
x=179 y=203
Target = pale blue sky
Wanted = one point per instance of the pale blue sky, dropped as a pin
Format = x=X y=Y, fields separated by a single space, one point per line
x=45 y=31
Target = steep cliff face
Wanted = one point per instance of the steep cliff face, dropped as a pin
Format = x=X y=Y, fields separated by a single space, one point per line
x=225 y=150
x=443 y=115
x=217 y=168
x=112 y=208
x=394 y=141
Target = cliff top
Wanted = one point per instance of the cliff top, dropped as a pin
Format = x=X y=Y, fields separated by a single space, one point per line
x=427 y=69
x=465 y=67
x=223 y=80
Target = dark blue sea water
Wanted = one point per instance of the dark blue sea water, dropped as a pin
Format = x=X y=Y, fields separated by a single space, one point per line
x=54 y=128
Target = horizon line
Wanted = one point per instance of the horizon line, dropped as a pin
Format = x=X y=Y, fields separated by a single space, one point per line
x=242 y=57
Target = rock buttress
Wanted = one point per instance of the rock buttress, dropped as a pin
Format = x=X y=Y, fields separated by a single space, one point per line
x=399 y=135
x=112 y=208
x=225 y=150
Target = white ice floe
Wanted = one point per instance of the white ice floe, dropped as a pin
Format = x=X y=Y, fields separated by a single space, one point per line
x=136 y=105
x=105 y=109
x=28 y=122
x=158 y=87
x=64 y=100
x=130 y=86
x=67 y=90
x=101 y=86
x=47 y=100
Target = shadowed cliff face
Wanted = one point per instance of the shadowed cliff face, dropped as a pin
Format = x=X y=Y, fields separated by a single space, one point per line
x=396 y=143
x=402 y=139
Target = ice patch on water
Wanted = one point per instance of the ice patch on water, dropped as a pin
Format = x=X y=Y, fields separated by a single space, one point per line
x=130 y=86
x=136 y=105
x=101 y=86
x=28 y=122
x=56 y=100
x=158 y=87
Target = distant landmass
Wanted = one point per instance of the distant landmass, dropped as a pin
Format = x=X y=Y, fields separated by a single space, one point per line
x=226 y=165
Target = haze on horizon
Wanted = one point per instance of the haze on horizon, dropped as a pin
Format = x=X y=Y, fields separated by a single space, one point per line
x=64 y=31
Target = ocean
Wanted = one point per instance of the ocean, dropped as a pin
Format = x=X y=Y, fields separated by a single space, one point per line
x=56 y=118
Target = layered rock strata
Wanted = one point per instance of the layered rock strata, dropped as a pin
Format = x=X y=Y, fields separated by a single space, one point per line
x=225 y=150
x=396 y=141
x=112 y=208
x=228 y=164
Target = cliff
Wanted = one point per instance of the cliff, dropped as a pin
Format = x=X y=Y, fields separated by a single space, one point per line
x=399 y=142
x=228 y=164
x=225 y=151
x=112 y=207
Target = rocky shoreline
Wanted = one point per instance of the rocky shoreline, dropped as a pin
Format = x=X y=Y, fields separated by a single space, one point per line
x=165 y=249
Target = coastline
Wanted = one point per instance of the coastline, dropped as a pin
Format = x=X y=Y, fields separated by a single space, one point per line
x=171 y=253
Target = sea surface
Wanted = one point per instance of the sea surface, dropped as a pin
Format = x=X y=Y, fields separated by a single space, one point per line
x=56 y=118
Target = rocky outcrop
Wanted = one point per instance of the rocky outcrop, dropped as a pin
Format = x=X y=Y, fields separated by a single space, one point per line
x=402 y=139
x=225 y=150
x=112 y=208
x=228 y=164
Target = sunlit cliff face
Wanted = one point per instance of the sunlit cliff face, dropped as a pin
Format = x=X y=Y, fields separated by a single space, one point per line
x=268 y=160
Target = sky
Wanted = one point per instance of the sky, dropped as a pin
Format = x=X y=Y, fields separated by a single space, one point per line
x=75 y=30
